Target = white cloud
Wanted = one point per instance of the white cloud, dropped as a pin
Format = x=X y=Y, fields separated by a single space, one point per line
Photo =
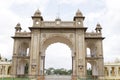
x=111 y=27
x=113 y=4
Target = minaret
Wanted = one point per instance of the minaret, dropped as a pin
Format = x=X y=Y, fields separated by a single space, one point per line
x=98 y=28
x=18 y=28
x=37 y=19
x=79 y=18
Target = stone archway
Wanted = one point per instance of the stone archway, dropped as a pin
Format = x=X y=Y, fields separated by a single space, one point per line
x=54 y=39
x=72 y=33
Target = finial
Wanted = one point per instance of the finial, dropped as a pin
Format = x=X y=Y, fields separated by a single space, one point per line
x=18 y=27
x=79 y=13
x=98 y=26
x=37 y=13
x=57 y=19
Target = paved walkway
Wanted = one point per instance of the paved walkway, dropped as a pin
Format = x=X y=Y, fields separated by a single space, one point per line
x=57 y=77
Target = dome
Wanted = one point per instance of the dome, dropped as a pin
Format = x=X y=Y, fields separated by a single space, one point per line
x=58 y=19
x=18 y=27
x=79 y=13
x=98 y=26
x=37 y=13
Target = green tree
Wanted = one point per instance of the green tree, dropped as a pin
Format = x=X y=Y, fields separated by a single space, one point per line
x=89 y=72
x=50 y=71
x=62 y=71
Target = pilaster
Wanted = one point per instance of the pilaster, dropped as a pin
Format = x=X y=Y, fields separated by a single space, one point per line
x=34 y=53
x=80 y=54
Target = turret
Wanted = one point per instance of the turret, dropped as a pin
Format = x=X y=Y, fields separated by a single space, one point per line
x=18 y=28
x=79 y=18
x=58 y=21
x=37 y=19
x=98 y=28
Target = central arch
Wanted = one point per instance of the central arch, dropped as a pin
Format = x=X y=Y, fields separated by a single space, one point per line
x=51 y=40
x=55 y=39
x=58 y=56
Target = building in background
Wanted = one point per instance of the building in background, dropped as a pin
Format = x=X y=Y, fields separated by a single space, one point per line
x=5 y=67
x=112 y=71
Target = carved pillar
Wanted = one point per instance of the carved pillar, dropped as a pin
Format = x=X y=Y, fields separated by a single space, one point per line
x=42 y=62
x=73 y=68
x=109 y=71
x=14 y=58
x=34 y=53
x=116 y=71
x=42 y=65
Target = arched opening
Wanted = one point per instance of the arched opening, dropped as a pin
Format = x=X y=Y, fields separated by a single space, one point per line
x=89 y=70
x=88 y=52
x=24 y=49
x=9 y=70
x=27 y=52
x=58 y=57
x=22 y=68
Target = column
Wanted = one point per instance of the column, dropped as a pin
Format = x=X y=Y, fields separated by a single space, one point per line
x=14 y=58
x=73 y=68
x=116 y=71
x=109 y=69
x=42 y=64
x=34 y=53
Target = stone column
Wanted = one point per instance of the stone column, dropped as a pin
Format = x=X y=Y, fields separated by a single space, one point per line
x=116 y=71
x=99 y=51
x=34 y=53
x=14 y=58
x=42 y=64
x=109 y=69
x=73 y=68
x=80 y=54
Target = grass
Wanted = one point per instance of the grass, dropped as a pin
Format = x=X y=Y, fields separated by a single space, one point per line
x=14 y=79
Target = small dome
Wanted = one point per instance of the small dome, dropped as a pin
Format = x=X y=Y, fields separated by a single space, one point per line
x=98 y=26
x=58 y=19
x=37 y=13
x=79 y=13
x=18 y=25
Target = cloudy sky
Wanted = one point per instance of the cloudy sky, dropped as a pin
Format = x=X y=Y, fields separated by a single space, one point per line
x=105 y=12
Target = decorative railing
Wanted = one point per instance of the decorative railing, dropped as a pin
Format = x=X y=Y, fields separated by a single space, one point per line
x=60 y=24
x=93 y=35
x=22 y=34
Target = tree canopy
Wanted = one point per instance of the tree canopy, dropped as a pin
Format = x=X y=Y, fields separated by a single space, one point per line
x=62 y=71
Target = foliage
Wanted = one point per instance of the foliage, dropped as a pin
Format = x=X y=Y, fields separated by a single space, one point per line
x=14 y=79
x=89 y=72
x=62 y=71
